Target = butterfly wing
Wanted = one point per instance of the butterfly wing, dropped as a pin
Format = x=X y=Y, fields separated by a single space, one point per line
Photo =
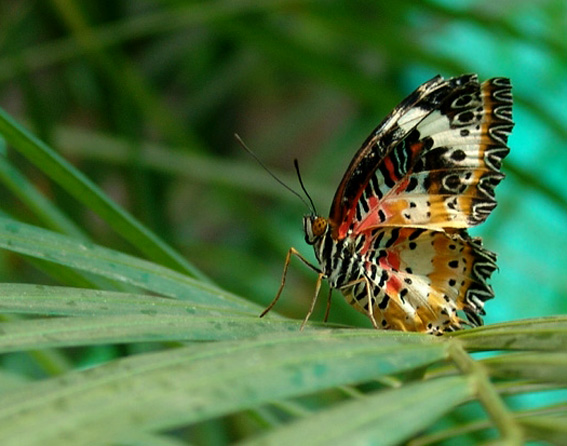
x=432 y=163
x=417 y=279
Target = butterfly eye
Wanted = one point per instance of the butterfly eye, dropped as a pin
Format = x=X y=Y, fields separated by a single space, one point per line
x=319 y=226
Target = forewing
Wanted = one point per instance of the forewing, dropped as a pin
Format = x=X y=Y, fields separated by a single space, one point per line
x=434 y=161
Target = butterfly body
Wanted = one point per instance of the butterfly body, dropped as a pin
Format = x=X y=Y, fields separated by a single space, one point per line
x=396 y=242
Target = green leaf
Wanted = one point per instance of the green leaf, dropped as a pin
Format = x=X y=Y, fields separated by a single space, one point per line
x=83 y=255
x=44 y=209
x=547 y=334
x=552 y=430
x=167 y=389
x=144 y=439
x=86 y=192
x=67 y=301
x=544 y=414
x=546 y=367
x=148 y=327
x=375 y=419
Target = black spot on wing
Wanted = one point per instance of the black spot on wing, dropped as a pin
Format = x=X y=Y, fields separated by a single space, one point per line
x=416 y=233
x=384 y=303
x=393 y=238
x=412 y=184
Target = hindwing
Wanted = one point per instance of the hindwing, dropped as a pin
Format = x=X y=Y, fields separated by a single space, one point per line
x=417 y=279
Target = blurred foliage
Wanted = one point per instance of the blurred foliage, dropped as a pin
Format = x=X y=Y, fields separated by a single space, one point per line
x=143 y=98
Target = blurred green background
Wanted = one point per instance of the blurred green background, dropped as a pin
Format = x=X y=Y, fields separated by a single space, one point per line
x=144 y=97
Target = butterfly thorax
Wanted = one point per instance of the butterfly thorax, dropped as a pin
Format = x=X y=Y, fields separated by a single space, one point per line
x=339 y=260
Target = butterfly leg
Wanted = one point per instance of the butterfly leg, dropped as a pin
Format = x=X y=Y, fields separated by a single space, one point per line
x=317 y=289
x=295 y=252
x=328 y=309
x=355 y=301
x=370 y=304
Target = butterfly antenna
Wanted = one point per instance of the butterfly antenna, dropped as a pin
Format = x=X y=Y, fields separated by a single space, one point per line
x=253 y=155
x=296 y=164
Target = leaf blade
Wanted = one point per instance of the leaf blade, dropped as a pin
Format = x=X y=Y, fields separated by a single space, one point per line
x=86 y=192
x=166 y=389
x=375 y=419
x=545 y=334
x=87 y=256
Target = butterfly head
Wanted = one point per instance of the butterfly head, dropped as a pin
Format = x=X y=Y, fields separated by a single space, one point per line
x=314 y=228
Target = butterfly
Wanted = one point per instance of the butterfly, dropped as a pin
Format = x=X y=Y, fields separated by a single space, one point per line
x=395 y=243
